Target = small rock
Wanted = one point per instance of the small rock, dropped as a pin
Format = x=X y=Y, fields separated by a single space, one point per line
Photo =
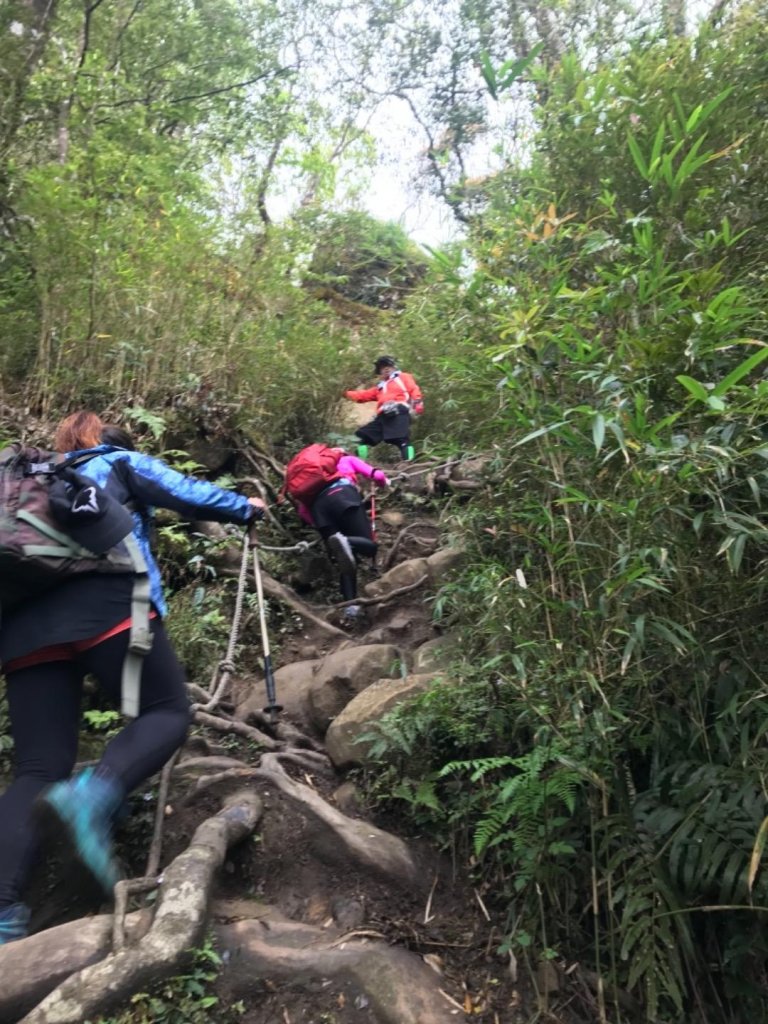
x=316 y=909
x=348 y=912
x=400 y=623
x=392 y=518
x=377 y=636
x=347 y=798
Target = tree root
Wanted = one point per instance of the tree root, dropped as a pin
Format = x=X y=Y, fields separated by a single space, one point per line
x=208 y=782
x=309 y=760
x=239 y=729
x=178 y=926
x=33 y=967
x=284 y=731
x=289 y=597
x=370 y=846
x=399 y=987
x=201 y=765
x=391 y=554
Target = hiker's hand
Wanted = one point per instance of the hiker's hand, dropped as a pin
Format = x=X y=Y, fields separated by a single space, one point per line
x=380 y=477
x=418 y=408
x=258 y=508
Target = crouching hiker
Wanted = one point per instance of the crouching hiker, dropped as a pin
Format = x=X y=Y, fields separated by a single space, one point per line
x=397 y=397
x=322 y=483
x=83 y=624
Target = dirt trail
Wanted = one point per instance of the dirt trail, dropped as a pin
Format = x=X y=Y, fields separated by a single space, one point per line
x=320 y=914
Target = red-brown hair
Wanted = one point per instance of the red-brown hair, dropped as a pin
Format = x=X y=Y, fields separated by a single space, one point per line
x=80 y=430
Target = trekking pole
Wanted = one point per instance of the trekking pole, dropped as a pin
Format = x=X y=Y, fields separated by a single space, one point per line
x=373 y=523
x=273 y=708
x=373 y=510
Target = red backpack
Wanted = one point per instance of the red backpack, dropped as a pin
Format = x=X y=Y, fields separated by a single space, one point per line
x=310 y=471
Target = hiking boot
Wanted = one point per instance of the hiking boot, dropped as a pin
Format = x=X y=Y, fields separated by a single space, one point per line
x=409 y=452
x=341 y=550
x=79 y=812
x=362 y=451
x=352 y=614
x=14 y=923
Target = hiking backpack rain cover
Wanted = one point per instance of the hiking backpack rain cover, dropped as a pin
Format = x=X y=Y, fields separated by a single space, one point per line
x=36 y=552
x=310 y=471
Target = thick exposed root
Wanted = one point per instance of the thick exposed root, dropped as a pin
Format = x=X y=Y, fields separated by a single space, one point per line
x=370 y=846
x=30 y=969
x=248 y=732
x=178 y=925
x=397 y=985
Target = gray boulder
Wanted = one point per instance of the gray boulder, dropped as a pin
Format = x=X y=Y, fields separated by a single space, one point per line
x=367 y=708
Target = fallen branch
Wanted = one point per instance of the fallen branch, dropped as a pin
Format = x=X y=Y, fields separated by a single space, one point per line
x=178 y=926
x=385 y=597
x=256 y=455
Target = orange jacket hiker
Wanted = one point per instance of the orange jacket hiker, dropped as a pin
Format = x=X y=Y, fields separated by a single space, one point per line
x=400 y=387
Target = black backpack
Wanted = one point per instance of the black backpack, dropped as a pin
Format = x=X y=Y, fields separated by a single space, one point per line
x=55 y=524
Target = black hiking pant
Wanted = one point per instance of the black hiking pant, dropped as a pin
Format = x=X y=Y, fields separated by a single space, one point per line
x=45 y=709
x=394 y=430
x=340 y=510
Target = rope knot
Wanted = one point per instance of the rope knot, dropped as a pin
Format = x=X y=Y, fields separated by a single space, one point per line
x=226 y=665
x=302 y=546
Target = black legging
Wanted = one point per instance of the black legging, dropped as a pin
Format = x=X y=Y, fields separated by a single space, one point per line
x=353 y=523
x=45 y=705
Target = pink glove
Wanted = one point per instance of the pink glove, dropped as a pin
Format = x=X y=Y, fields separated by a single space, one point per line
x=380 y=477
x=418 y=408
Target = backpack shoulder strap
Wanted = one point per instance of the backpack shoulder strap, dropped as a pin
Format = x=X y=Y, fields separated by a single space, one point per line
x=140 y=637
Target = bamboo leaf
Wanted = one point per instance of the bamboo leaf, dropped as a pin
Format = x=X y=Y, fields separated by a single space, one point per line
x=538 y=433
x=713 y=104
x=598 y=431
x=693 y=118
x=658 y=142
x=693 y=387
x=489 y=75
x=637 y=156
x=691 y=162
x=757 y=853
x=741 y=371
x=512 y=70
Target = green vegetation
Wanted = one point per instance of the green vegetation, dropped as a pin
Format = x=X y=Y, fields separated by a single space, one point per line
x=186 y=999
x=603 y=764
x=598 y=332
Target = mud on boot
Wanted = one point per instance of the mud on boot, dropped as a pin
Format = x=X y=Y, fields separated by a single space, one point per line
x=79 y=814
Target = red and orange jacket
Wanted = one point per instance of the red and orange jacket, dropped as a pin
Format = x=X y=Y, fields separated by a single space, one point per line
x=399 y=387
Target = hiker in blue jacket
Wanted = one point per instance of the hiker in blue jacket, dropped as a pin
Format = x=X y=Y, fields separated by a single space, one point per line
x=83 y=625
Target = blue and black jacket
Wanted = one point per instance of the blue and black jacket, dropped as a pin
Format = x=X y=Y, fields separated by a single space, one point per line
x=133 y=477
